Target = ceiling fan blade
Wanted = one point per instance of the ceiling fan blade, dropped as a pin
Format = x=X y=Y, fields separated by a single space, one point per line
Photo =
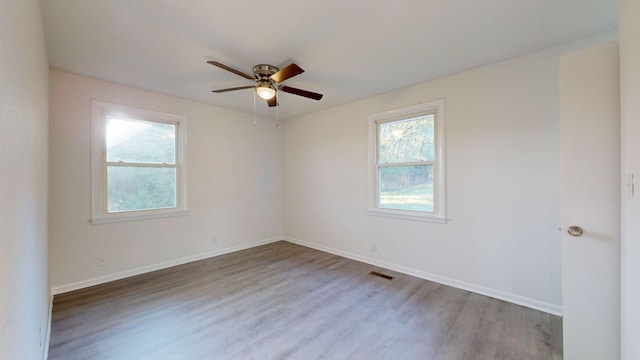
x=230 y=69
x=289 y=71
x=273 y=101
x=300 y=92
x=233 y=89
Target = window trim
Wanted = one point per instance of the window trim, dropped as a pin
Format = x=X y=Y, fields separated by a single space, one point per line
x=439 y=166
x=100 y=111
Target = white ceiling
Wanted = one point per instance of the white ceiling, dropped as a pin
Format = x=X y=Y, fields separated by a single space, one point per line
x=350 y=49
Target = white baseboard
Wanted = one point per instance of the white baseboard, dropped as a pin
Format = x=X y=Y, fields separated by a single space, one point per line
x=47 y=333
x=159 y=266
x=494 y=293
x=498 y=294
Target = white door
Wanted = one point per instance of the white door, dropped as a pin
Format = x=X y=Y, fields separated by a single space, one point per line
x=629 y=29
x=590 y=170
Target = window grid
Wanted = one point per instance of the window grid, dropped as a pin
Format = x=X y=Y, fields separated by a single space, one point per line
x=437 y=213
x=102 y=113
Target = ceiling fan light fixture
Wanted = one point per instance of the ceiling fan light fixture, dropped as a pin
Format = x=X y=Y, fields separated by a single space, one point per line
x=266 y=91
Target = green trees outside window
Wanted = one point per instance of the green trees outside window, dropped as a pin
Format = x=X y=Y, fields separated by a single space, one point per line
x=141 y=165
x=406 y=151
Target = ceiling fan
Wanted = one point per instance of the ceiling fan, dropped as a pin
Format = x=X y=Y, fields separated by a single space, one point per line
x=268 y=80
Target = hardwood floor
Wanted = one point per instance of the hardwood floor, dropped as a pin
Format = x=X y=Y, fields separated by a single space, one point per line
x=284 y=301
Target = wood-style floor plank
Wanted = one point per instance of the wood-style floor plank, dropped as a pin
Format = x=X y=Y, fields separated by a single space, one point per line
x=284 y=301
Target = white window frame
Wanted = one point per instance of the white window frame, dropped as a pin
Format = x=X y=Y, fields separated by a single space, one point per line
x=100 y=112
x=438 y=215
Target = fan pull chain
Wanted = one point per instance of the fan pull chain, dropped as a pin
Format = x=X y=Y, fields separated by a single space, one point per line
x=278 y=112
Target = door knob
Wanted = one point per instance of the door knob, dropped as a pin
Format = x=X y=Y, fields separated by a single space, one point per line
x=574 y=230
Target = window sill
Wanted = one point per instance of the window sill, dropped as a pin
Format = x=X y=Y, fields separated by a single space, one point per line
x=408 y=215
x=123 y=217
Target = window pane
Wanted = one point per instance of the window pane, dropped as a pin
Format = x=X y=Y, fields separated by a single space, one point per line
x=407 y=140
x=406 y=187
x=140 y=141
x=140 y=188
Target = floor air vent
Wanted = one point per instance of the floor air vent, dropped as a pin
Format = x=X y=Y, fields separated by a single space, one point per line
x=384 y=276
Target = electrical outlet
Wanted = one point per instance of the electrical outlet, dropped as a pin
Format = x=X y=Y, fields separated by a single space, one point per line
x=374 y=247
x=101 y=262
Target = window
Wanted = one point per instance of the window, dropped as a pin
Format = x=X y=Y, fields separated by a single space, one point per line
x=407 y=162
x=138 y=168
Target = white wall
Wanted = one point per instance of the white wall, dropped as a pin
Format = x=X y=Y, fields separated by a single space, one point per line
x=503 y=183
x=234 y=187
x=630 y=112
x=24 y=284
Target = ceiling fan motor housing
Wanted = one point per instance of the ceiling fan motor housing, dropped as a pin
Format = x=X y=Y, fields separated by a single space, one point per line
x=262 y=72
